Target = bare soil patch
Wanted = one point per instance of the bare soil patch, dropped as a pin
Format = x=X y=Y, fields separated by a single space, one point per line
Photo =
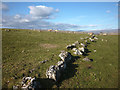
x=49 y=45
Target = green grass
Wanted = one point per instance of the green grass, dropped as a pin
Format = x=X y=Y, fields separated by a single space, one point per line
x=22 y=50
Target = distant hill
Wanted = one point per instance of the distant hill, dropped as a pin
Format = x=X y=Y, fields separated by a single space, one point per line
x=104 y=31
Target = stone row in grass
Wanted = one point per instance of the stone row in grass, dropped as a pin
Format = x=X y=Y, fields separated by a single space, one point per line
x=54 y=71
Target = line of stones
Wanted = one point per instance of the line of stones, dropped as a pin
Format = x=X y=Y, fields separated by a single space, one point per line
x=55 y=71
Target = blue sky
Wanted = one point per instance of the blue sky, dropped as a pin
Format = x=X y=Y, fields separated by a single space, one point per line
x=61 y=15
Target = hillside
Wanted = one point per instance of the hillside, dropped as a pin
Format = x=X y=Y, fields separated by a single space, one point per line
x=22 y=51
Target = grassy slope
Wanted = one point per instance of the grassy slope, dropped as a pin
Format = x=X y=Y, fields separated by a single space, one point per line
x=23 y=49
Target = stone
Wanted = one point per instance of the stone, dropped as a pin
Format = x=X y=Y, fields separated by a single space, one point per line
x=92 y=36
x=86 y=37
x=61 y=65
x=71 y=46
x=30 y=83
x=77 y=52
x=81 y=38
x=82 y=49
x=86 y=41
x=65 y=56
x=86 y=59
x=92 y=40
x=43 y=61
x=77 y=42
x=15 y=87
x=53 y=73
x=82 y=44
x=74 y=49
x=96 y=38
x=68 y=47
x=102 y=39
x=94 y=50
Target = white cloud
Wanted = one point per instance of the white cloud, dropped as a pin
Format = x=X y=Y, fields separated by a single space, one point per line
x=24 y=21
x=92 y=25
x=42 y=11
x=29 y=23
x=17 y=16
x=35 y=20
x=108 y=11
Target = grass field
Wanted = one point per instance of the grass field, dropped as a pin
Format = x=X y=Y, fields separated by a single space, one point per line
x=22 y=50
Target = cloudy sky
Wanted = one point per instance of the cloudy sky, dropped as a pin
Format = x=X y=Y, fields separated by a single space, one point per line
x=60 y=15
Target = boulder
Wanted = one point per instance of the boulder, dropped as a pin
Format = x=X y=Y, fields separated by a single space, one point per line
x=81 y=38
x=86 y=37
x=95 y=38
x=71 y=46
x=43 y=61
x=92 y=40
x=61 y=65
x=53 y=73
x=86 y=59
x=82 y=49
x=77 y=52
x=74 y=49
x=77 y=42
x=92 y=36
x=82 y=44
x=15 y=87
x=65 y=56
x=30 y=83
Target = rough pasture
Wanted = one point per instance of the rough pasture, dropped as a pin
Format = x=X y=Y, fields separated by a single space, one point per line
x=22 y=51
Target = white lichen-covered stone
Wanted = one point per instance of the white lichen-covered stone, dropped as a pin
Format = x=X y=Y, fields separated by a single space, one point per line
x=74 y=45
x=77 y=52
x=86 y=59
x=61 y=65
x=81 y=38
x=50 y=73
x=95 y=38
x=30 y=83
x=65 y=56
x=68 y=46
x=92 y=40
x=82 y=49
x=82 y=44
x=53 y=73
x=77 y=42
x=74 y=49
x=71 y=46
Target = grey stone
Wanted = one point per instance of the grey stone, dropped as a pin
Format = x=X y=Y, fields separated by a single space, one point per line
x=30 y=83
x=71 y=46
x=92 y=40
x=86 y=59
x=77 y=42
x=15 y=87
x=77 y=52
x=82 y=44
x=82 y=49
x=94 y=50
x=65 y=56
x=61 y=65
x=74 y=49
x=43 y=61
x=53 y=73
